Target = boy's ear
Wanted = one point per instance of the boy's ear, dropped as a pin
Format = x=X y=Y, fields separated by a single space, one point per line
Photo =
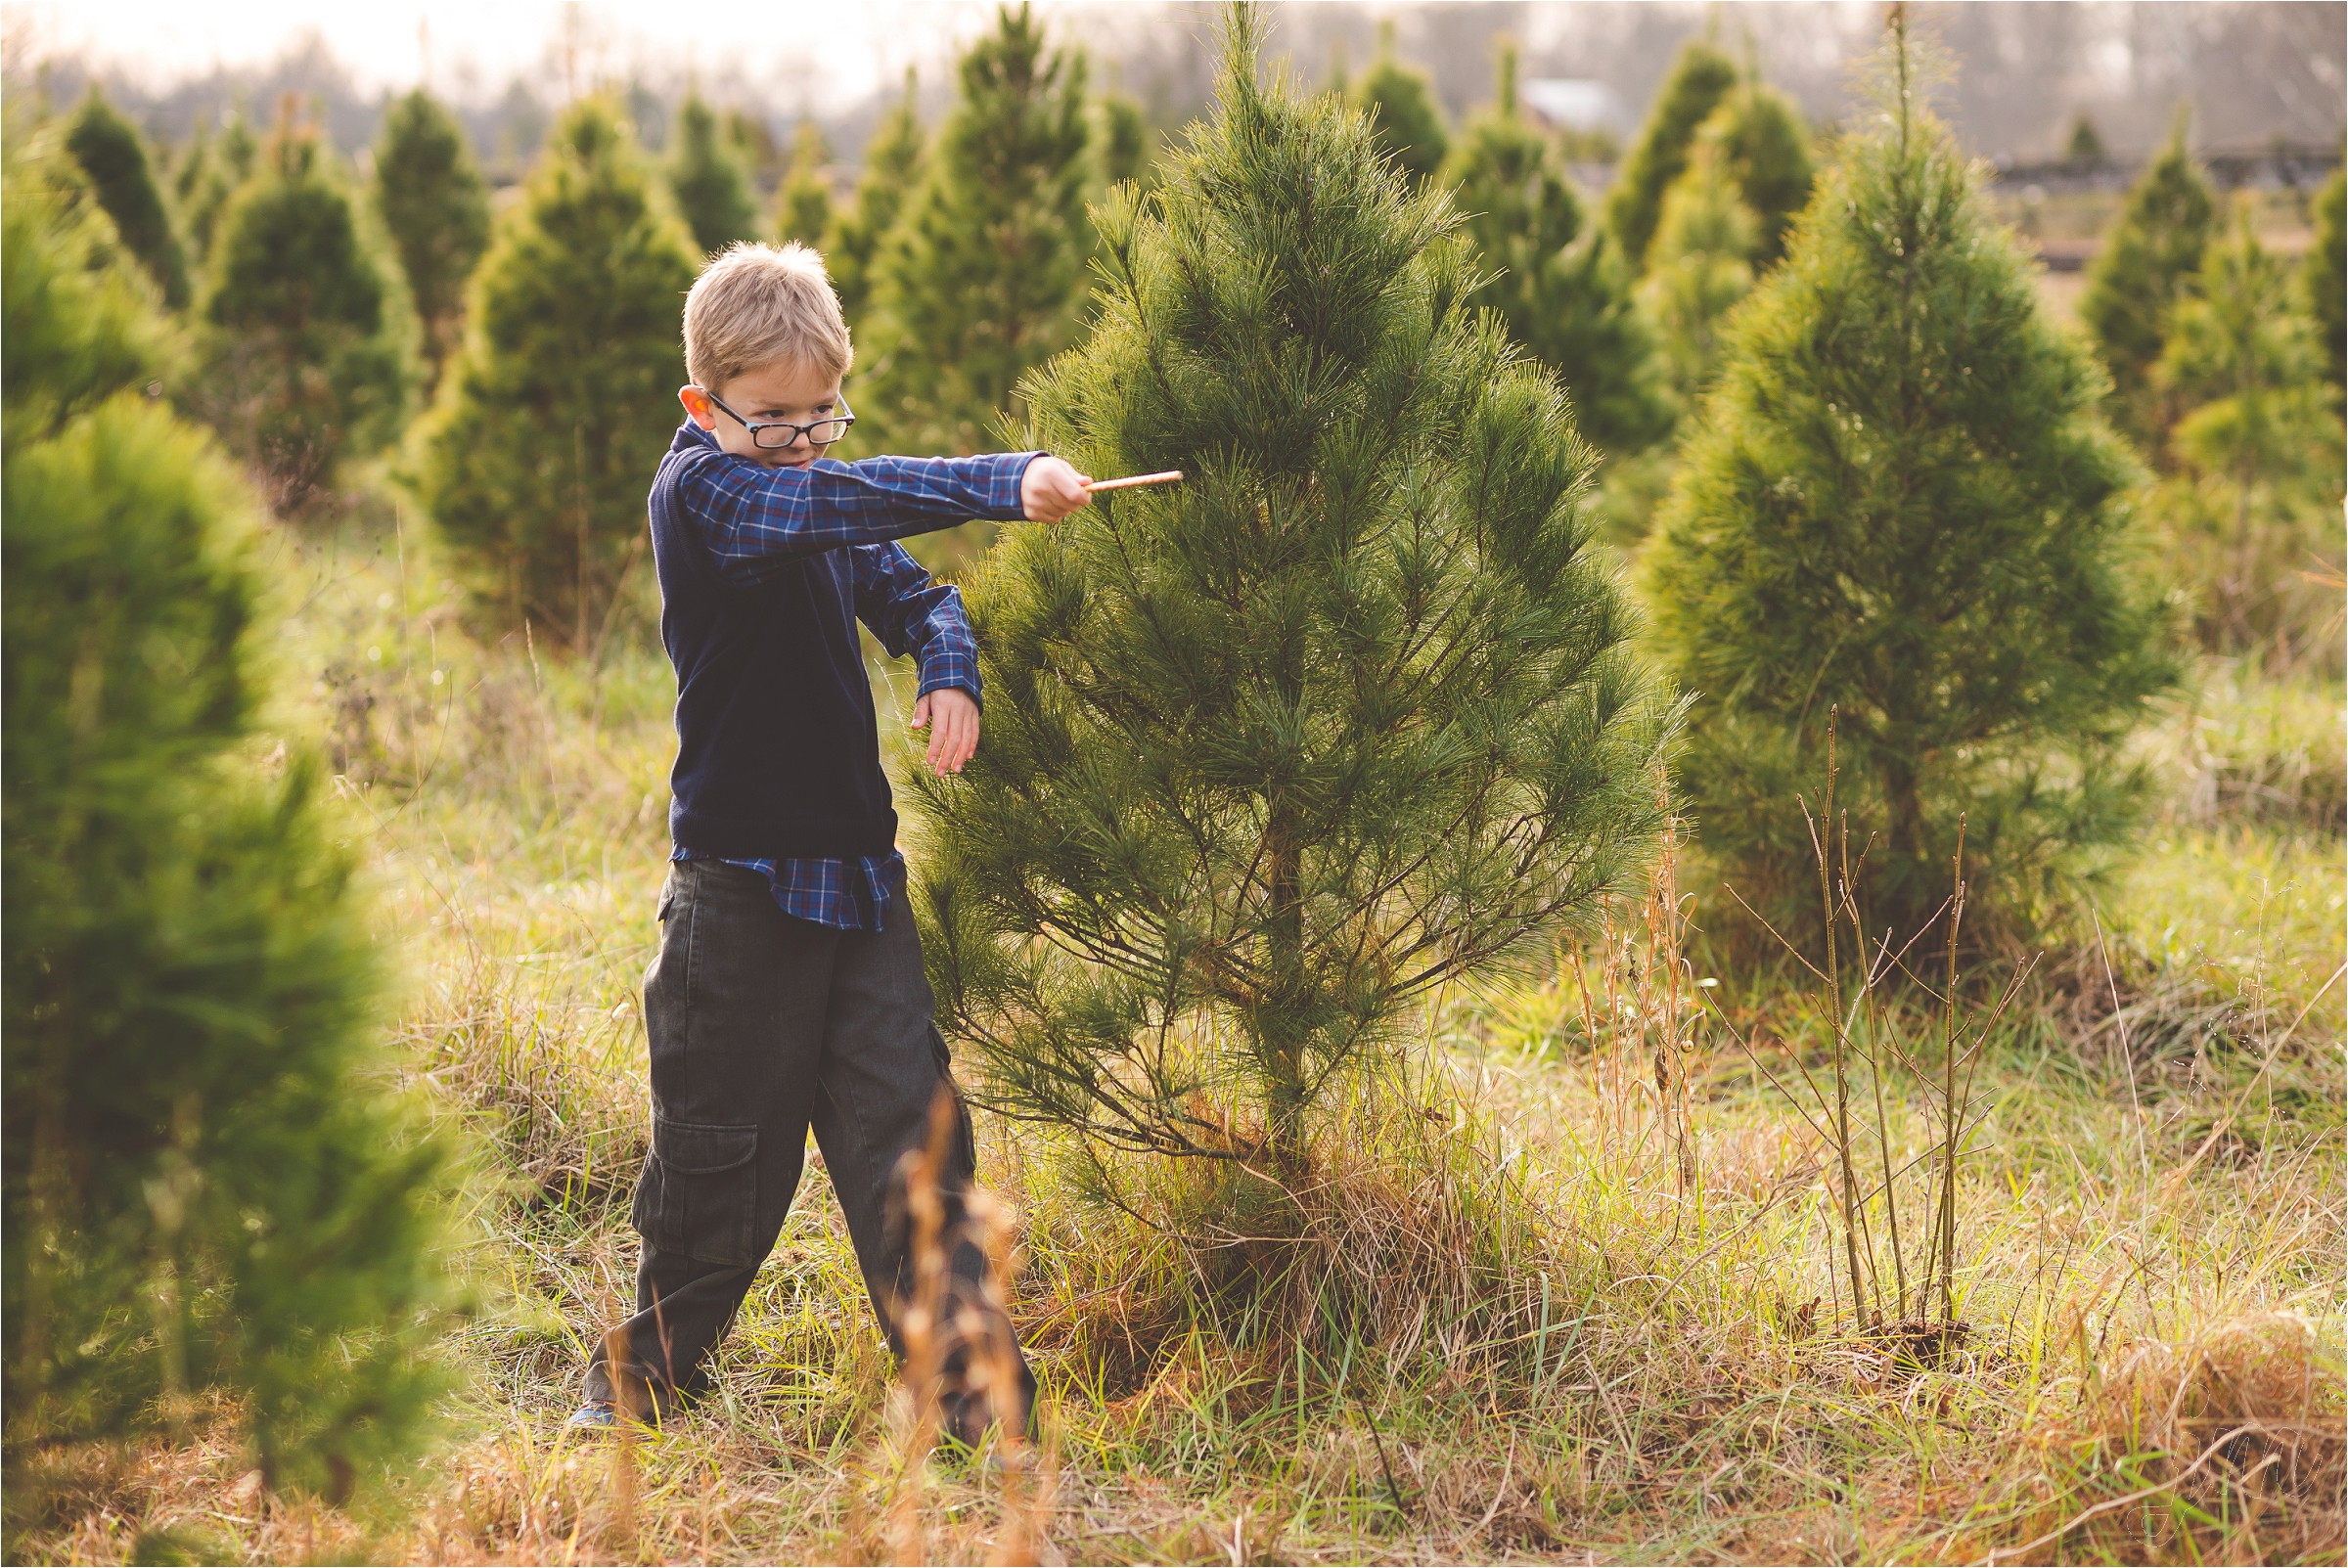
x=697 y=407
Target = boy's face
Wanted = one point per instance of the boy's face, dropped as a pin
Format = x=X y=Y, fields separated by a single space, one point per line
x=786 y=390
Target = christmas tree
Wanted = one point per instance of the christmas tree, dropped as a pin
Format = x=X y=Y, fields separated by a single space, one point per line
x=113 y=156
x=1759 y=135
x=2146 y=264
x=803 y=200
x=1900 y=506
x=1348 y=714
x=1124 y=138
x=311 y=338
x=892 y=166
x=707 y=181
x=534 y=461
x=981 y=277
x=1560 y=285
x=1698 y=267
x=1700 y=80
x=2326 y=273
x=436 y=208
x=2258 y=444
x=215 y=169
x=205 y=1202
x=1403 y=111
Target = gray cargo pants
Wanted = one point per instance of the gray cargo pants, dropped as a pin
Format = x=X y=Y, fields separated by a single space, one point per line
x=761 y=1026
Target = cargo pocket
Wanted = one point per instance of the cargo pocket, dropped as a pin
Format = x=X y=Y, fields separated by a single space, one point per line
x=698 y=1195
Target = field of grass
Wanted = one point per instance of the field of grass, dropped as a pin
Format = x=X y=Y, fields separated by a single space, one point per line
x=1528 y=1307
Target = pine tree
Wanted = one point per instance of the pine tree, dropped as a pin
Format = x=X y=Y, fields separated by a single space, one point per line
x=1698 y=268
x=2258 y=443
x=311 y=338
x=1760 y=135
x=1348 y=715
x=1700 y=80
x=2326 y=275
x=435 y=206
x=803 y=200
x=893 y=168
x=113 y=156
x=707 y=180
x=1900 y=505
x=203 y=1195
x=981 y=277
x=1403 y=111
x=534 y=461
x=2085 y=145
x=1124 y=139
x=207 y=180
x=2148 y=262
x=1560 y=285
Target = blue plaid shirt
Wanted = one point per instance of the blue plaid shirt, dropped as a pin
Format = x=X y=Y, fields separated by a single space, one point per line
x=754 y=518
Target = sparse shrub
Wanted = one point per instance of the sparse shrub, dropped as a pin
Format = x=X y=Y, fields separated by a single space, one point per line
x=535 y=460
x=981 y=276
x=310 y=342
x=1900 y=501
x=435 y=206
x=1560 y=288
x=113 y=156
x=1700 y=79
x=1349 y=714
x=2148 y=262
x=707 y=178
x=207 y=1205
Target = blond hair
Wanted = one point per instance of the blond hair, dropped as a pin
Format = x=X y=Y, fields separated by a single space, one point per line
x=758 y=303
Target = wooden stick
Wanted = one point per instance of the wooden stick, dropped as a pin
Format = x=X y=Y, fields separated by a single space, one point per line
x=1170 y=477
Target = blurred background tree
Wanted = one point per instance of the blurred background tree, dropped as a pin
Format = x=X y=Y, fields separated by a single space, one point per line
x=310 y=342
x=2326 y=275
x=435 y=206
x=803 y=200
x=1404 y=114
x=208 y=1206
x=893 y=168
x=1901 y=504
x=535 y=460
x=706 y=176
x=214 y=170
x=112 y=154
x=1560 y=285
x=2148 y=262
x=981 y=278
x=1700 y=79
x=1699 y=266
x=1124 y=138
x=1765 y=149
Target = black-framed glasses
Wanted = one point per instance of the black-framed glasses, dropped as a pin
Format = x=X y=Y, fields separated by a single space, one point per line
x=823 y=432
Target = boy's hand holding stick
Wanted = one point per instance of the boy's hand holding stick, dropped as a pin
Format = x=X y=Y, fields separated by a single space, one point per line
x=1050 y=489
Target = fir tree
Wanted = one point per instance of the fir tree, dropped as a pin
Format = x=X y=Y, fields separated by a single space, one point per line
x=1560 y=285
x=113 y=156
x=1348 y=715
x=202 y=1196
x=1124 y=140
x=1700 y=80
x=2085 y=145
x=2259 y=442
x=1759 y=134
x=2148 y=262
x=435 y=206
x=707 y=180
x=755 y=147
x=1698 y=267
x=552 y=417
x=803 y=200
x=981 y=277
x=1900 y=505
x=2326 y=275
x=1403 y=111
x=310 y=335
x=892 y=166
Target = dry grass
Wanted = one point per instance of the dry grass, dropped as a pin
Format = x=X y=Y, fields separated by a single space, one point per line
x=1525 y=1303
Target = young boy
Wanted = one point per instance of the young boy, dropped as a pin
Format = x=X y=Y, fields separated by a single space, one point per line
x=789 y=992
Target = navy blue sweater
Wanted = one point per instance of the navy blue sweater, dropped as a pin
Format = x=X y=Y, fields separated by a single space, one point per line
x=778 y=744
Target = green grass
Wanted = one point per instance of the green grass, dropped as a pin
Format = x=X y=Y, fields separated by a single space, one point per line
x=1502 y=1319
